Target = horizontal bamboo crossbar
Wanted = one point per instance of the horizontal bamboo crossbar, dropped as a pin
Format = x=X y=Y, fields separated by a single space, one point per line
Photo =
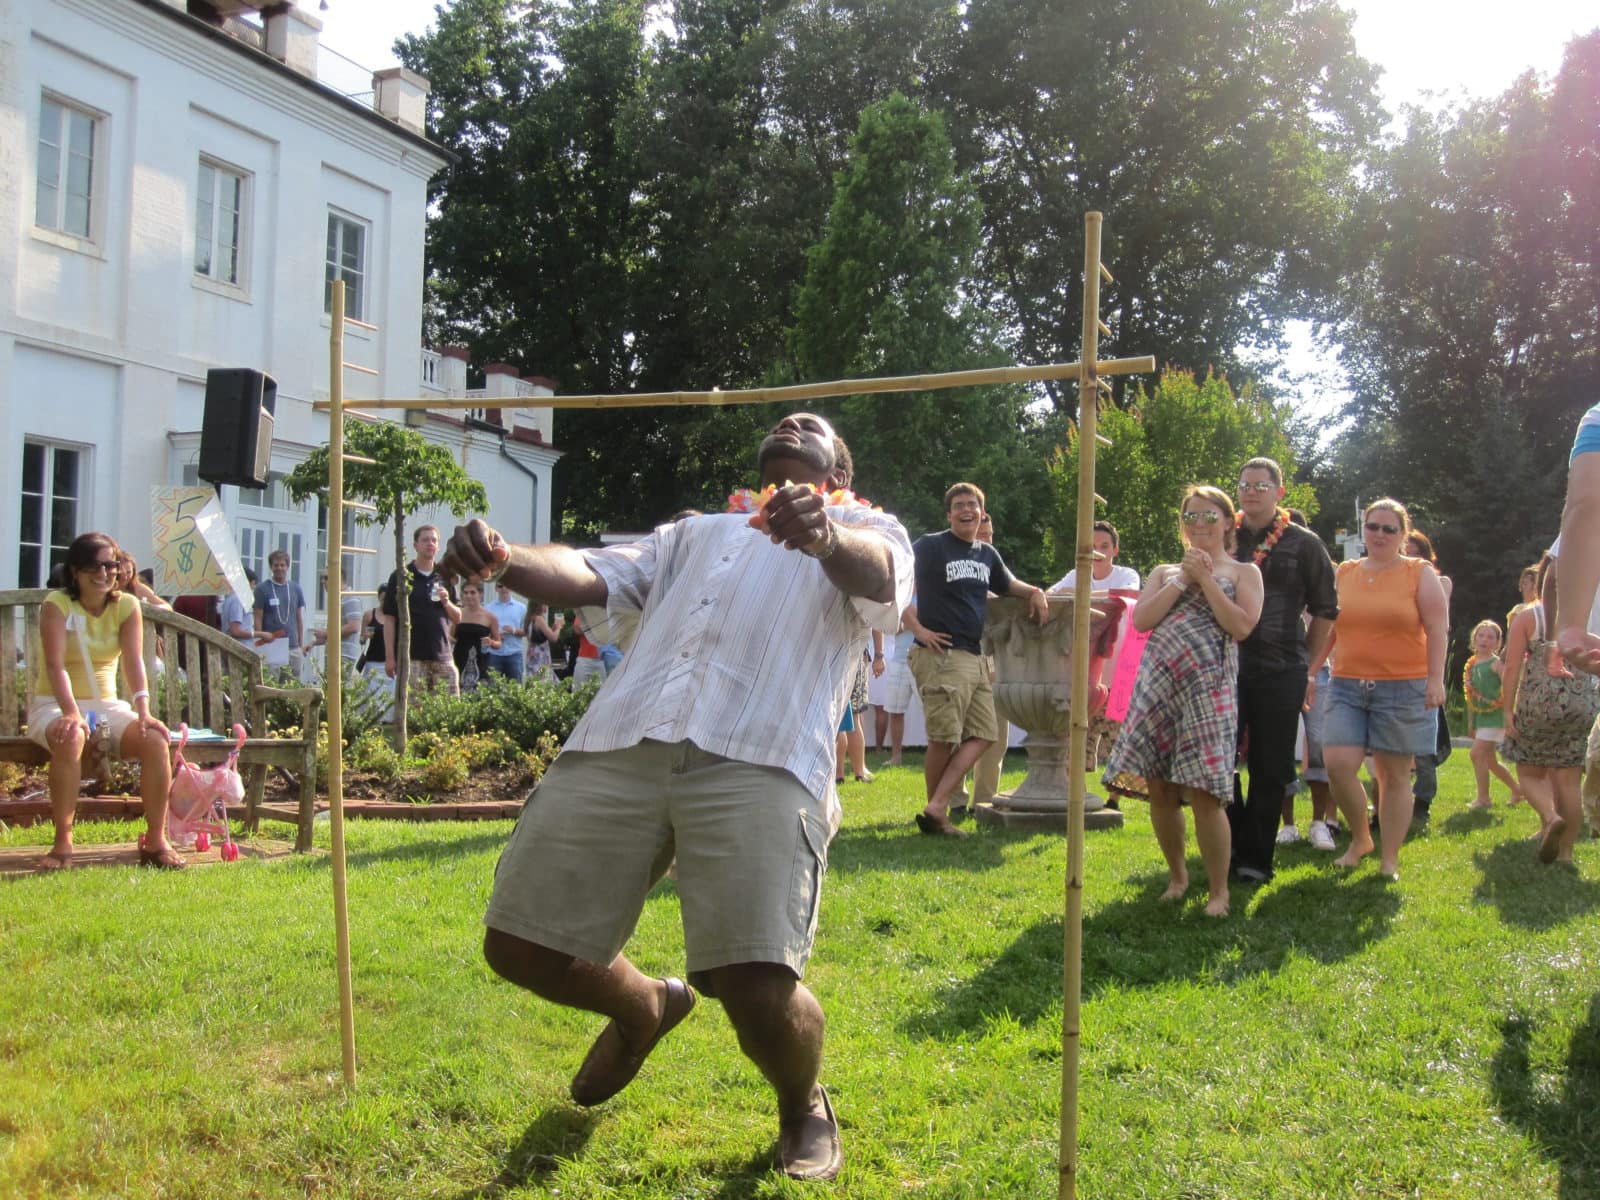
x=1101 y=439
x=358 y=550
x=789 y=394
x=1105 y=274
x=1105 y=330
x=361 y=369
x=356 y=458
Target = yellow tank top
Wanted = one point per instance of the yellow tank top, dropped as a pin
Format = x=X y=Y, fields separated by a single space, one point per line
x=1379 y=631
x=105 y=649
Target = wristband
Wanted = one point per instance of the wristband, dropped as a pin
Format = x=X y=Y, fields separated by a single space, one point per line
x=141 y=694
x=496 y=575
x=830 y=543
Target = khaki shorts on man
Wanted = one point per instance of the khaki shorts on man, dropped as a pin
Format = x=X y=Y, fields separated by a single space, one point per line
x=957 y=698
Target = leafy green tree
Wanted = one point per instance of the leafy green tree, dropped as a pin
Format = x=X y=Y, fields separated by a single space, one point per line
x=1184 y=431
x=1472 y=331
x=886 y=294
x=408 y=473
x=1223 y=141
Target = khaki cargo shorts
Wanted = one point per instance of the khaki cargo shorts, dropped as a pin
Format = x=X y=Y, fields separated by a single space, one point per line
x=602 y=827
x=957 y=698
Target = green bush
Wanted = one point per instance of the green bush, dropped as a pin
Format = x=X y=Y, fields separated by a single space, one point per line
x=524 y=712
x=372 y=752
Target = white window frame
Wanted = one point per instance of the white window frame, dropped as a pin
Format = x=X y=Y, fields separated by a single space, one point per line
x=334 y=267
x=53 y=225
x=49 y=538
x=207 y=211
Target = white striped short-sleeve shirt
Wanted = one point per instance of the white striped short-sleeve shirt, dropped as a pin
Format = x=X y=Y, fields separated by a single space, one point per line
x=742 y=647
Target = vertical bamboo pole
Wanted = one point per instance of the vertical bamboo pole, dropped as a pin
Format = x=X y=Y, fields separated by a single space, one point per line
x=1072 y=950
x=335 y=677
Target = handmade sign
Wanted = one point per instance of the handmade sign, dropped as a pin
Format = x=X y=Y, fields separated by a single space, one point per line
x=195 y=551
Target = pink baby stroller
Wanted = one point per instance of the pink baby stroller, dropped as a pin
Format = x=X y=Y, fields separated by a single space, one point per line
x=197 y=805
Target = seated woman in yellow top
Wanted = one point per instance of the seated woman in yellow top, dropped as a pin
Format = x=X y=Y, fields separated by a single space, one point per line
x=1388 y=677
x=85 y=629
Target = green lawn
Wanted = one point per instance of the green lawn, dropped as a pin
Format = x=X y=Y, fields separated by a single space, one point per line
x=170 y=1036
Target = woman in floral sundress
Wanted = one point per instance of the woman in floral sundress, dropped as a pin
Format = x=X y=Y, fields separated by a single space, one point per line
x=1180 y=736
x=1548 y=718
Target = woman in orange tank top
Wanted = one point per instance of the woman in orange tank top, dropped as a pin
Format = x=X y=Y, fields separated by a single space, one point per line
x=1388 y=678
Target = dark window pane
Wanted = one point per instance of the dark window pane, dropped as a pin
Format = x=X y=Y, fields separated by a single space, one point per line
x=63 y=521
x=32 y=519
x=32 y=467
x=28 y=559
x=66 y=482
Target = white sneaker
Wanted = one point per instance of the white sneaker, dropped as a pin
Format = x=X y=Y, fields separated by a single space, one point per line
x=1321 y=836
x=1288 y=835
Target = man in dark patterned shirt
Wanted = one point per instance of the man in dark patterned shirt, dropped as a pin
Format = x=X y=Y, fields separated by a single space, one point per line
x=1296 y=575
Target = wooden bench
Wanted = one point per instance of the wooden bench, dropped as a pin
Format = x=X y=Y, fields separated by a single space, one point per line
x=220 y=684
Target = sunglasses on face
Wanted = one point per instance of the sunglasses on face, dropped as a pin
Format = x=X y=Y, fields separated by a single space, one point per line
x=100 y=568
x=1260 y=485
x=1380 y=527
x=1208 y=517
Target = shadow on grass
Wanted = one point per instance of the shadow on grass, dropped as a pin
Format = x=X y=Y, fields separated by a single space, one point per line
x=558 y=1133
x=1145 y=942
x=1561 y=1125
x=1468 y=820
x=1531 y=894
x=746 y=1180
x=888 y=847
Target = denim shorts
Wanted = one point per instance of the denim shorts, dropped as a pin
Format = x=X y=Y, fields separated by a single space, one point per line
x=1385 y=716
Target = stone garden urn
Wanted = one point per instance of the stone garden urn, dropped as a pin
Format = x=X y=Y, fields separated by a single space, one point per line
x=1033 y=689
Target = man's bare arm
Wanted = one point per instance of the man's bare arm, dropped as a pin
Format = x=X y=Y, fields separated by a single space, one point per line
x=1567 y=603
x=557 y=575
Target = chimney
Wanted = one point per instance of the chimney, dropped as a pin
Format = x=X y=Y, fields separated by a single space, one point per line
x=292 y=35
x=402 y=96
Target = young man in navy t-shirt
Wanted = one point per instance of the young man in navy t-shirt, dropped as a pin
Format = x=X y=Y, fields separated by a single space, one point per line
x=955 y=574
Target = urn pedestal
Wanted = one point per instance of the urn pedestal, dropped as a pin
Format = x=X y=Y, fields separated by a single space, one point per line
x=1033 y=689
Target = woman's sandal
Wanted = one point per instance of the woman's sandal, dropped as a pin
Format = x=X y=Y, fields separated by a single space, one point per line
x=162 y=860
x=54 y=861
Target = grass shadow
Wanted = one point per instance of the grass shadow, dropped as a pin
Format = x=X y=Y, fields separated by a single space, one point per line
x=893 y=847
x=754 y=1177
x=557 y=1134
x=1528 y=893
x=1560 y=1123
x=1468 y=820
x=1145 y=942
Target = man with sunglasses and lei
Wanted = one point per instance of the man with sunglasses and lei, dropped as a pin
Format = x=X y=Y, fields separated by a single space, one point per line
x=1276 y=675
x=712 y=741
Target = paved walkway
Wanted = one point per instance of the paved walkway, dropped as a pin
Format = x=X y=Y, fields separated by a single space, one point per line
x=17 y=861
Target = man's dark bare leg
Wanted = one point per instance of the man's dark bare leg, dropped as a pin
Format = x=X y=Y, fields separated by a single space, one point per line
x=620 y=991
x=780 y=1027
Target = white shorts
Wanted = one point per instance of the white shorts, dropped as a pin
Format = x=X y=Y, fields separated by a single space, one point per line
x=1495 y=734
x=43 y=711
x=897 y=685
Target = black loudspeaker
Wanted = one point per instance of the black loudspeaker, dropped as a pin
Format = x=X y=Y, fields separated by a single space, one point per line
x=236 y=435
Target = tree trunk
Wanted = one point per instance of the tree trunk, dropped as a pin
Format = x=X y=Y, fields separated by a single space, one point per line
x=402 y=630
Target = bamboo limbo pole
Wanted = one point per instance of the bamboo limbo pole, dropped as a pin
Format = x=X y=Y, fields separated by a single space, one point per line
x=335 y=678
x=789 y=394
x=1072 y=950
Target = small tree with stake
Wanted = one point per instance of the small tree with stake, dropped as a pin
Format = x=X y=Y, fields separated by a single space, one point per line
x=407 y=473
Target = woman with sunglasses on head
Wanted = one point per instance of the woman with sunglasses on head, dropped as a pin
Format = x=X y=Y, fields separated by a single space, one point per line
x=86 y=628
x=1388 y=677
x=1547 y=722
x=1180 y=736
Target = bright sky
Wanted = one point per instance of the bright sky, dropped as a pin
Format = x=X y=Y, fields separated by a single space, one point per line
x=1431 y=52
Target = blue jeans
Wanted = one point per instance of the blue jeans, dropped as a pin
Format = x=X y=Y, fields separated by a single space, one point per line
x=512 y=666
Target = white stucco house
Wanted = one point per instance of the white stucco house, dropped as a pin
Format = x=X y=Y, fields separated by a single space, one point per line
x=181 y=190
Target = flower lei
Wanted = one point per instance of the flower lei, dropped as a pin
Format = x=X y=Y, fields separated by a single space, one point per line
x=1477 y=702
x=1280 y=522
x=744 y=500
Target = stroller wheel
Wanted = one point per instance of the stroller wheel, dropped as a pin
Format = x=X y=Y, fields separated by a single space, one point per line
x=202 y=842
x=230 y=852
